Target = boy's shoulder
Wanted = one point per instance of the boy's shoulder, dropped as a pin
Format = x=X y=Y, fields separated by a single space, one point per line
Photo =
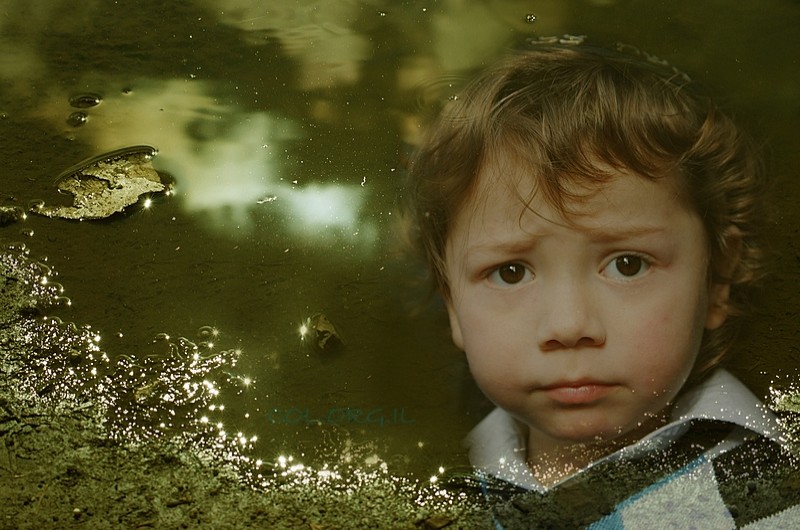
x=721 y=403
x=724 y=464
x=723 y=397
x=753 y=486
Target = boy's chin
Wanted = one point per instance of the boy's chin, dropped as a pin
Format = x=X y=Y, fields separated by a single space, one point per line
x=600 y=434
x=592 y=433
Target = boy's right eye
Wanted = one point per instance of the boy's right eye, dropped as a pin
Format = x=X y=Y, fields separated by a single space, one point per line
x=510 y=274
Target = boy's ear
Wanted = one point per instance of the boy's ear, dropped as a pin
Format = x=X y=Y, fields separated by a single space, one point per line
x=718 y=297
x=719 y=293
x=455 y=326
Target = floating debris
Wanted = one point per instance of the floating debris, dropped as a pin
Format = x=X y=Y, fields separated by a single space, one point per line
x=106 y=184
x=321 y=333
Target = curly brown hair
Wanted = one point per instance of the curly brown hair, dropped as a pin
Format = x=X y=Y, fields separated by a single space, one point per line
x=569 y=111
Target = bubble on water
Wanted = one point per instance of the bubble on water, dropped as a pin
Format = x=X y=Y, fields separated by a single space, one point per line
x=530 y=18
x=62 y=301
x=35 y=205
x=76 y=119
x=208 y=332
x=85 y=101
x=16 y=248
x=57 y=286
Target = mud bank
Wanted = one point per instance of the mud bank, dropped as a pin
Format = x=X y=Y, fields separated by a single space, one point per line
x=60 y=472
x=59 y=468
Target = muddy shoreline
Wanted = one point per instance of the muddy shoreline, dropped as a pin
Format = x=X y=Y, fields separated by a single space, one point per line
x=60 y=469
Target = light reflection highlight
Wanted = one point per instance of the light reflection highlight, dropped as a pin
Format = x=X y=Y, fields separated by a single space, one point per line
x=784 y=399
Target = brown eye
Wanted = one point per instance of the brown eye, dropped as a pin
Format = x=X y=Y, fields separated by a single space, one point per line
x=629 y=265
x=511 y=273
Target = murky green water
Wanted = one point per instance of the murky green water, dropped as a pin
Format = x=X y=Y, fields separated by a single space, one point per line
x=286 y=126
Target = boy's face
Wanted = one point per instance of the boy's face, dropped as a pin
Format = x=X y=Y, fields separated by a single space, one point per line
x=585 y=328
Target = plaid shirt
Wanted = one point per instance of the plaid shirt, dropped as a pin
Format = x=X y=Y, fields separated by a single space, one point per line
x=720 y=464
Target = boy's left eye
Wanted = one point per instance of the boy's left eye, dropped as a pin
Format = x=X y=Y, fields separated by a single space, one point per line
x=510 y=274
x=626 y=267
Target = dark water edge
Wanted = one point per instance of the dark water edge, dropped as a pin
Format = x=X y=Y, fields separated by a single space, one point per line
x=61 y=468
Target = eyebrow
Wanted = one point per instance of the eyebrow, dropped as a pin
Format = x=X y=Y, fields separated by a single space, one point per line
x=601 y=235
x=506 y=247
x=619 y=234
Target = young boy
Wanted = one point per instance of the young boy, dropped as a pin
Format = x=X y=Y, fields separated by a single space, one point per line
x=589 y=217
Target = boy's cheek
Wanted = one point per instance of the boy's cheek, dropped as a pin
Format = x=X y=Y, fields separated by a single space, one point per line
x=669 y=351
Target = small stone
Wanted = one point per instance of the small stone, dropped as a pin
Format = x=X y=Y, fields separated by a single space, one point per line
x=322 y=332
x=10 y=214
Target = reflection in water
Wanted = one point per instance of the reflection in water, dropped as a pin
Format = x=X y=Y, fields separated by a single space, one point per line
x=319 y=34
x=318 y=207
x=229 y=164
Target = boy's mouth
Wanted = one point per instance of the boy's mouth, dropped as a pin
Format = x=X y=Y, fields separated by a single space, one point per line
x=580 y=392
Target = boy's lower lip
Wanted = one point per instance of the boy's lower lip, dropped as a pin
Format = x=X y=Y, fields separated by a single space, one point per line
x=581 y=394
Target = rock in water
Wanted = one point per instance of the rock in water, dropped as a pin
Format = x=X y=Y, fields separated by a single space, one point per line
x=324 y=335
x=10 y=214
x=106 y=184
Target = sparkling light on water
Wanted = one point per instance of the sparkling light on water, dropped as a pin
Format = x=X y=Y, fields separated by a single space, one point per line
x=178 y=396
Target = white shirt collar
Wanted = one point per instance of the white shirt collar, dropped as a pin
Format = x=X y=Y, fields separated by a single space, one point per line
x=497 y=445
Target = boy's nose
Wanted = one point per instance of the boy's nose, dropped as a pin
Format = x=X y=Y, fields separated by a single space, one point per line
x=568 y=318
